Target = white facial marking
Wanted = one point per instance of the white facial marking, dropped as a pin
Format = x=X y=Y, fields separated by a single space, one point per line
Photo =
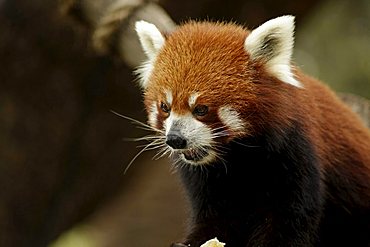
x=197 y=135
x=231 y=118
x=151 y=41
x=169 y=97
x=191 y=128
x=272 y=42
x=192 y=99
x=152 y=116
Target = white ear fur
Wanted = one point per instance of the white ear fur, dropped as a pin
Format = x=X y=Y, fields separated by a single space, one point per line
x=272 y=42
x=150 y=38
x=151 y=41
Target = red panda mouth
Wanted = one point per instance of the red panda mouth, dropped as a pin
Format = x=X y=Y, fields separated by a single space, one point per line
x=194 y=154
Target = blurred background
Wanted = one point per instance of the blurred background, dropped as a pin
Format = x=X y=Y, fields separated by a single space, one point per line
x=65 y=65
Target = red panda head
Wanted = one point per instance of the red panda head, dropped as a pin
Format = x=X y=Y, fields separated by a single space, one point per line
x=202 y=83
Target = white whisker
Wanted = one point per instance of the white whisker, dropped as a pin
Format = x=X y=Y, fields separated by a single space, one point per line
x=223 y=161
x=220 y=135
x=144 y=138
x=149 y=129
x=246 y=145
x=165 y=150
x=220 y=128
x=139 y=123
x=138 y=154
x=176 y=165
x=152 y=147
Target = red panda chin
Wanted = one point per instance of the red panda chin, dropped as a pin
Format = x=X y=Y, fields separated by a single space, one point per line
x=195 y=155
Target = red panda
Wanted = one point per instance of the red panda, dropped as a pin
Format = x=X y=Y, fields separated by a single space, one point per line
x=268 y=156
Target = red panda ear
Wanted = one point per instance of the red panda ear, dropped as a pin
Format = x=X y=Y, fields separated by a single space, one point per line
x=150 y=38
x=272 y=43
x=151 y=41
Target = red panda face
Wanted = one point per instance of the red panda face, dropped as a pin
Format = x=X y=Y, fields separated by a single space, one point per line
x=199 y=83
x=194 y=129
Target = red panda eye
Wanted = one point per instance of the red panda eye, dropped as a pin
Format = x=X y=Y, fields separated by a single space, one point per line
x=165 y=108
x=200 y=110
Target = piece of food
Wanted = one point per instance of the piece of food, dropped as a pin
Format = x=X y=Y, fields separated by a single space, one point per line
x=213 y=243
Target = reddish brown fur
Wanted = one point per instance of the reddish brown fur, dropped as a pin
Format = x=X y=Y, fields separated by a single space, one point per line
x=341 y=139
x=210 y=59
x=178 y=70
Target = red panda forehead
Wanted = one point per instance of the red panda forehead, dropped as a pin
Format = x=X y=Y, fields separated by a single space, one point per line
x=201 y=42
x=202 y=57
x=198 y=32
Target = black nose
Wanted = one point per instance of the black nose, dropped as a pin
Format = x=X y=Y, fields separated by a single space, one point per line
x=176 y=140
